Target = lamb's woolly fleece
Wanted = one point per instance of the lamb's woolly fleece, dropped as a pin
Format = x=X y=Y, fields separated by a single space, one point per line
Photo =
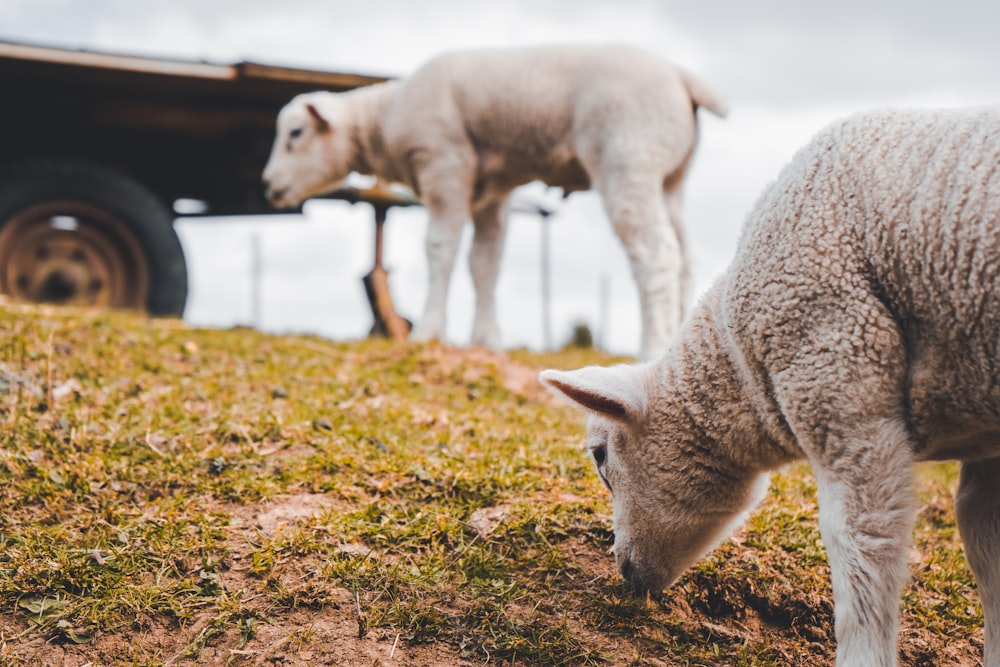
x=858 y=327
x=869 y=269
x=864 y=285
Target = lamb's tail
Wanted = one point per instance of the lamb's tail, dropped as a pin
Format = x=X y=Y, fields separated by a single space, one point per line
x=703 y=96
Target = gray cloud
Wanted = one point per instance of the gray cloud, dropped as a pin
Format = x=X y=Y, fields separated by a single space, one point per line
x=782 y=51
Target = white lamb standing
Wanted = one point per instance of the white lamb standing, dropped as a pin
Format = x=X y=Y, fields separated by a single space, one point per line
x=858 y=327
x=468 y=127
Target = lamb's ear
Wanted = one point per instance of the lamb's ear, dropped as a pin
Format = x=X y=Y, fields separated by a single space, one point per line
x=619 y=392
x=322 y=124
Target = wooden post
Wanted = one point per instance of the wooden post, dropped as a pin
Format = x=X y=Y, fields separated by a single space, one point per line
x=387 y=322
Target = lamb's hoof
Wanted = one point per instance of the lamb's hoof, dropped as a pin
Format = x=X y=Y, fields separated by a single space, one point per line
x=489 y=342
x=421 y=334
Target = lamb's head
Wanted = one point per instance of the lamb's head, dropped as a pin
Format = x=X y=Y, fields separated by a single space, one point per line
x=311 y=152
x=672 y=502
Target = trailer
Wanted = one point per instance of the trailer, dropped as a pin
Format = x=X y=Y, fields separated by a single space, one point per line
x=101 y=152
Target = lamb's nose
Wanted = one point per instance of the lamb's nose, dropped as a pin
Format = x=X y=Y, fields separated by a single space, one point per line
x=626 y=568
x=272 y=195
x=623 y=559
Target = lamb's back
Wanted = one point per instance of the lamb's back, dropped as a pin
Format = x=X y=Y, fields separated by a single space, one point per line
x=535 y=95
x=886 y=226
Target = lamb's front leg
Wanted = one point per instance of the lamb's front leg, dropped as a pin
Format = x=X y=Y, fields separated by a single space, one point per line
x=484 y=264
x=866 y=513
x=444 y=232
x=444 y=188
x=977 y=505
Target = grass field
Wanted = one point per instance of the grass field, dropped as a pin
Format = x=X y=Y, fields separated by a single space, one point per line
x=174 y=496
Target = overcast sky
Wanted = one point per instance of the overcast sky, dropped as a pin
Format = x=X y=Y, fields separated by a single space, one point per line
x=787 y=68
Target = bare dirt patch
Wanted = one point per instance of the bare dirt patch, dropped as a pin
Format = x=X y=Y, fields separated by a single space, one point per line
x=281 y=511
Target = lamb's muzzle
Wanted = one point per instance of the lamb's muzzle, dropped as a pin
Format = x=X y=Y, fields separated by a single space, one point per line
x=273 y=195
x=642 y=580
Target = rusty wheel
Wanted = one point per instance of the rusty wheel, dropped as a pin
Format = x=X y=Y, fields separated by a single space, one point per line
x=76 y=233
x=73 y=253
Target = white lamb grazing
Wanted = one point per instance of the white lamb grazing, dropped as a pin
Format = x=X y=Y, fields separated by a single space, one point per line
x=858 y=327
x=467 y=128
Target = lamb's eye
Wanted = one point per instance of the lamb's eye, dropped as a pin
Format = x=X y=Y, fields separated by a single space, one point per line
x=600 y=454
x=295 y=133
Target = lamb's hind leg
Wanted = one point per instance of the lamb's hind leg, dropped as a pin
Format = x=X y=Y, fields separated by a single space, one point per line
x=673 y=200
x=655 y=251
x=977 y=505
x=484 y=263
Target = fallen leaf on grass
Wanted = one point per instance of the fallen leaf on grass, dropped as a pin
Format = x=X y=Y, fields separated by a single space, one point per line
x=485 y=519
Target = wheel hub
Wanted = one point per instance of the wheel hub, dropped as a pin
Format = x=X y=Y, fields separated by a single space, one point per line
x=72 y=253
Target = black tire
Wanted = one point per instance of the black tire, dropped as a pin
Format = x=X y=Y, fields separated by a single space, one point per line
x=124 y=233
